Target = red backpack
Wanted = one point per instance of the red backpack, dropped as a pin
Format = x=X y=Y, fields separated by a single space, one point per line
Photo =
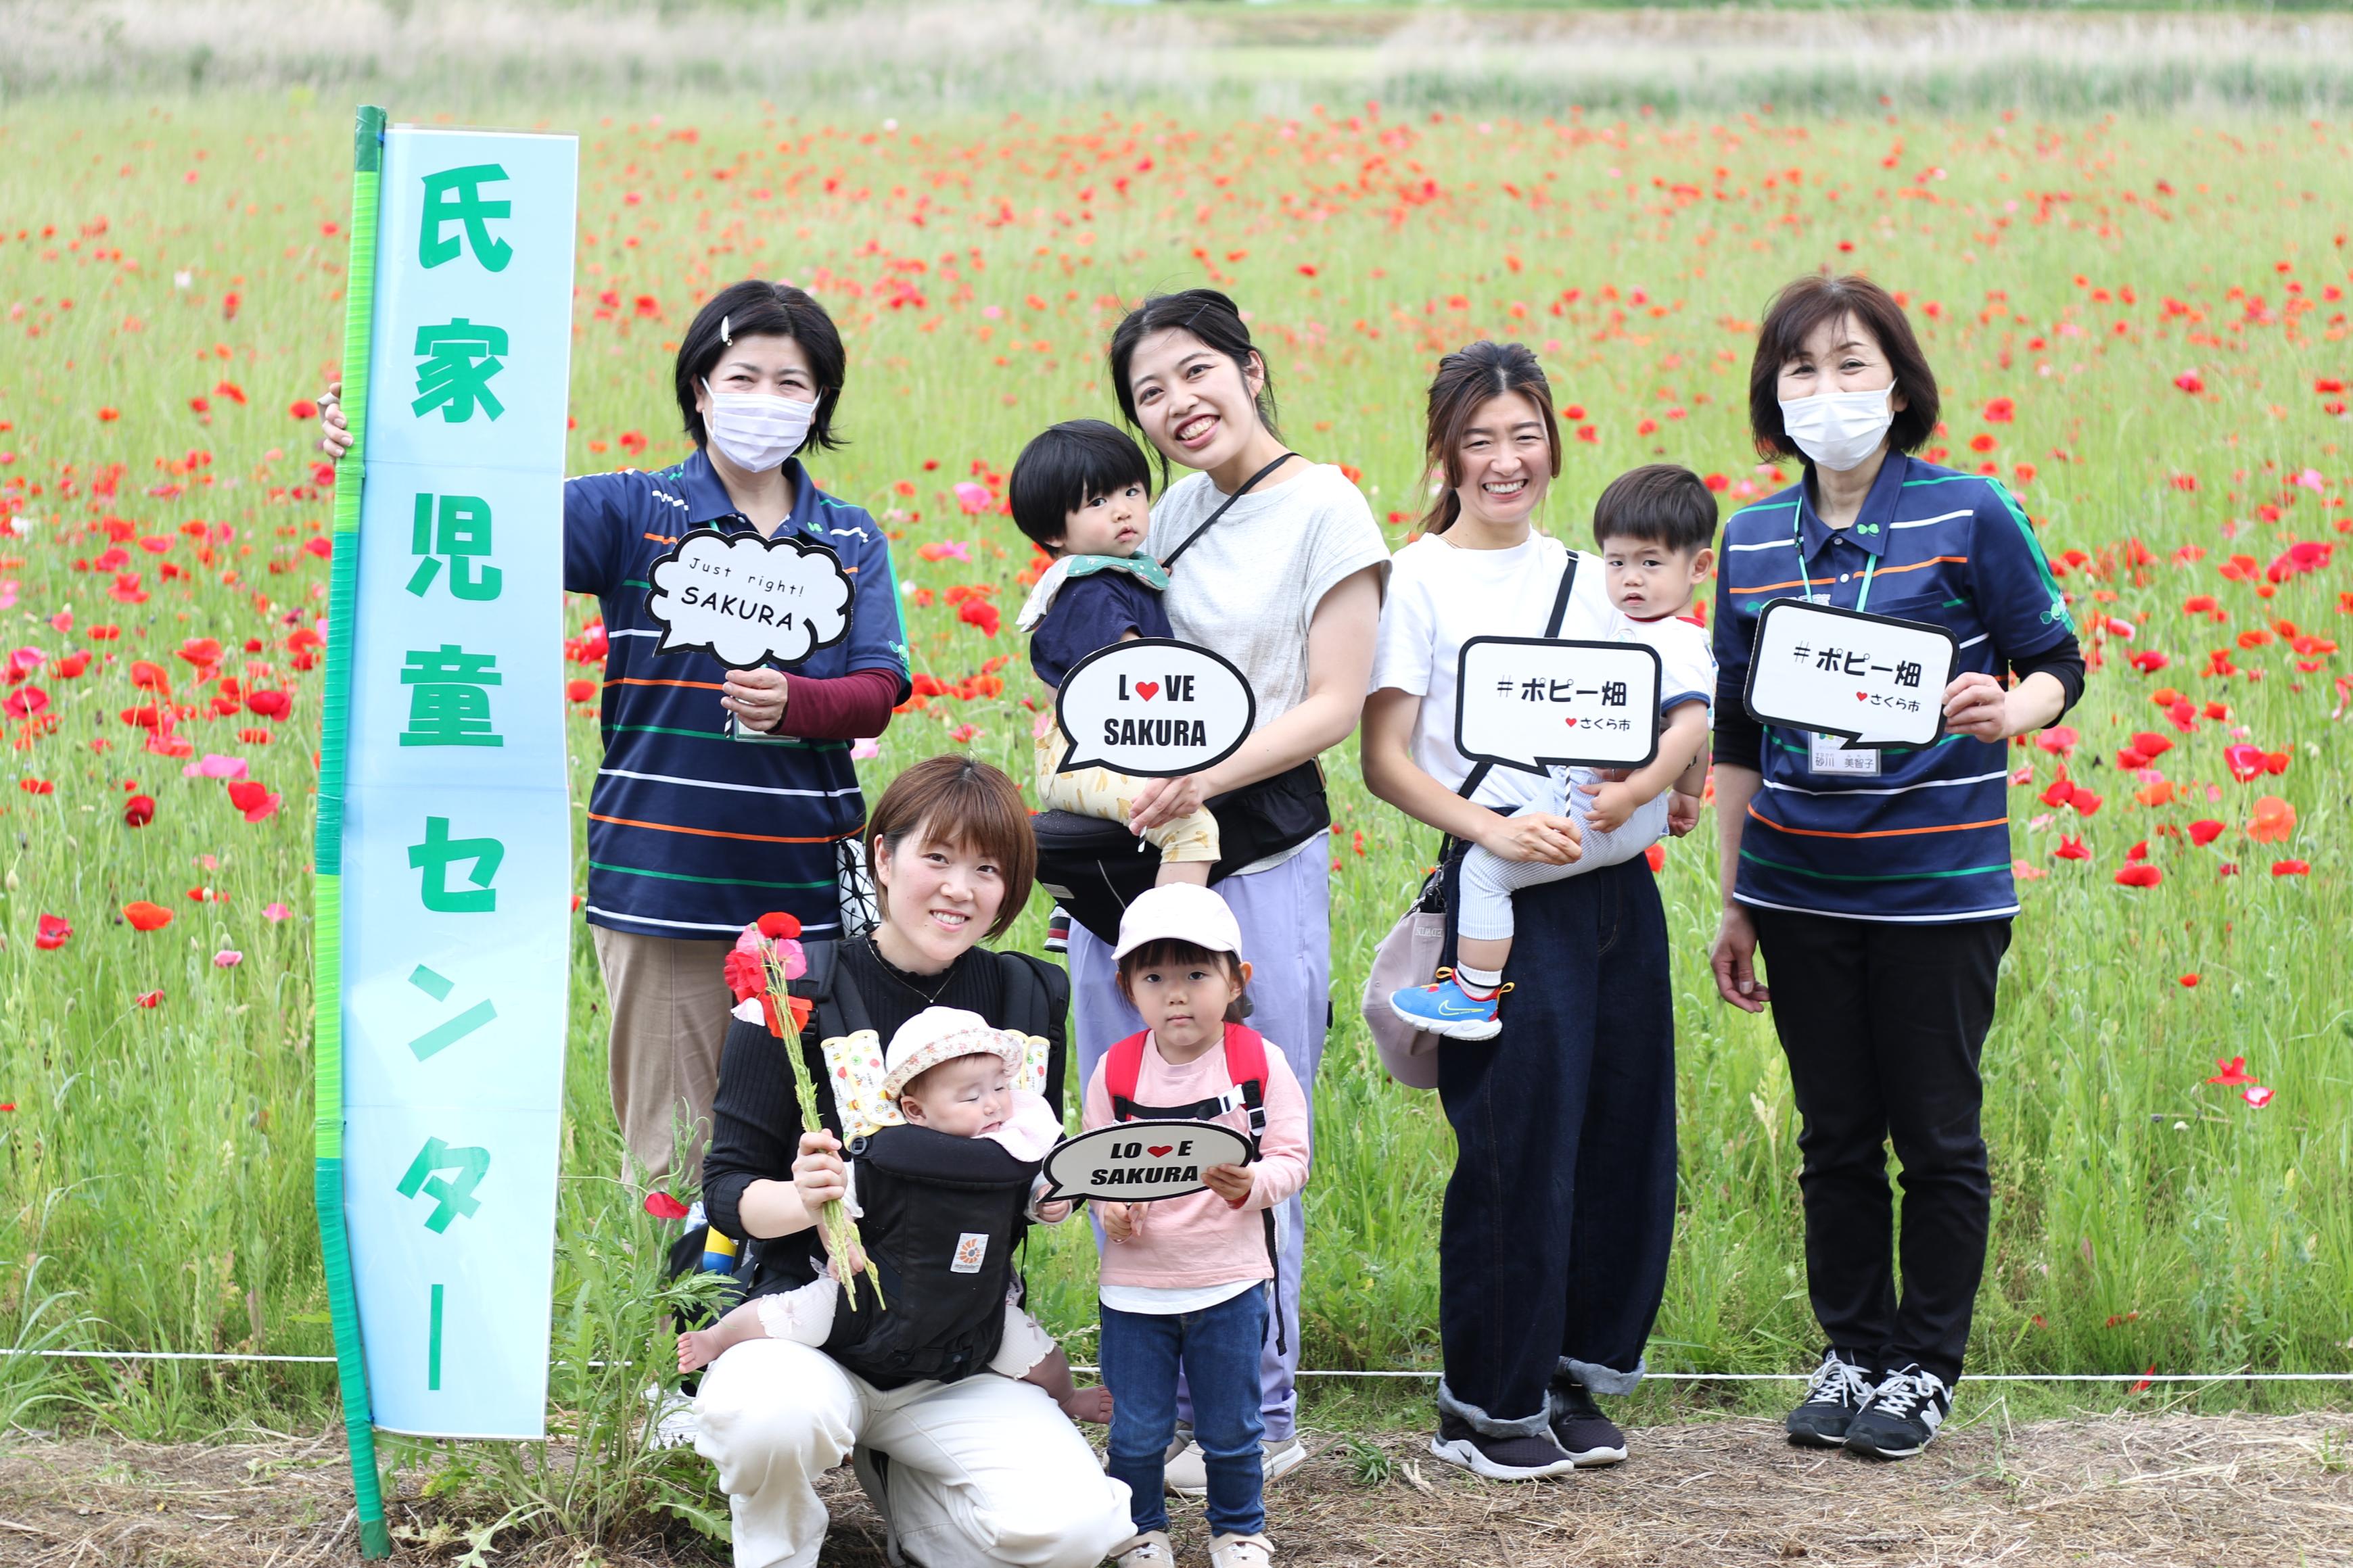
x=1246 y=1066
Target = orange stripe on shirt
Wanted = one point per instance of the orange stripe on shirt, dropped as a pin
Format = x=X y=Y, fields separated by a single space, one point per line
x=1880 y=833
x=715 y=833
x=1879 y=572
x=661 y=538
x=689 y=685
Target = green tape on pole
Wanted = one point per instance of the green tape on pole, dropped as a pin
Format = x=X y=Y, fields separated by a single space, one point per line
x=327 y=903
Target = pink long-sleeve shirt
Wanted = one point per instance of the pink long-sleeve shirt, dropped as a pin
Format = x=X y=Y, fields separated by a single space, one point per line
x=1198 y=1240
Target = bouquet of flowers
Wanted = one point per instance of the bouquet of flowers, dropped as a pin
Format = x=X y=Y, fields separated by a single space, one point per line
x=765 y=960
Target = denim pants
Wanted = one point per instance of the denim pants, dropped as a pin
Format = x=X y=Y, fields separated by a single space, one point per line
x=1883 y=1024
x=1217 y=1349
x=1553 y=1244
x=1285 y=916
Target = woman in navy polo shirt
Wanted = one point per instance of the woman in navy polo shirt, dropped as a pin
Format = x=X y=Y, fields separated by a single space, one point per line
x=1878 y=884
x=723 y=794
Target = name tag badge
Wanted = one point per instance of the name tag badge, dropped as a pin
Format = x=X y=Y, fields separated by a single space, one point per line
x=1831 y=756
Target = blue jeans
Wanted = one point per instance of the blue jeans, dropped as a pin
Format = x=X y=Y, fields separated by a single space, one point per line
x=1285 y=915
x=1217 y=1349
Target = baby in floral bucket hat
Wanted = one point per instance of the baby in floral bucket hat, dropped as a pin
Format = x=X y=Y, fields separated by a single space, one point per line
x=949 y=1071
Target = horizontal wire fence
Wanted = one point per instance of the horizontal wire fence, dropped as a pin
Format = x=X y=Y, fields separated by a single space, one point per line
x=2134 y=1377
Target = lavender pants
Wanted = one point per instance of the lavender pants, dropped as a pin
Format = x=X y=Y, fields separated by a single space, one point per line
x=1285 y=915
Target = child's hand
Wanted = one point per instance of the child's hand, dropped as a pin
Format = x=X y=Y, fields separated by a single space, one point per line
x=1611 y=805
x=1683 y=813
x=1054 y=1213
x=857 y=1262
x=818 y=1175
x=1231 y=1182
x=1122 y=1221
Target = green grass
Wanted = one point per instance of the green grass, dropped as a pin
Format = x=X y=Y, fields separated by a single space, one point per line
x=156 y=1166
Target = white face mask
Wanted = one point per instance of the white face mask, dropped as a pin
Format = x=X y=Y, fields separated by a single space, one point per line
x=1838 y=429
x=755 y=430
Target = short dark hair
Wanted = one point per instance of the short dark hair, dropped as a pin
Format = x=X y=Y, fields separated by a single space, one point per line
x=965 y=802
x=1663 y=504
x=1210 y=316
x=1795 y=312
x=1066 y=466
x=1467 y=380
x=1168 y=951
x=755 y=308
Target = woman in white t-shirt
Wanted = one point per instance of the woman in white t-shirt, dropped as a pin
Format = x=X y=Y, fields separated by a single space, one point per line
x=1287 y=584
x=1553 y=1249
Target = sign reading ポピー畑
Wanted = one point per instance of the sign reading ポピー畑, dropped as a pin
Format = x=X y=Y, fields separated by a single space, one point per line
x=1870 y=680
x=1532 y=703
x=454 y=850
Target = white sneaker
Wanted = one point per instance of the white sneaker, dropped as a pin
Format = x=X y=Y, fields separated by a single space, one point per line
x=1240 y=1551
x=674 y=1414
x=1150 y=1550
x=1187 y=1472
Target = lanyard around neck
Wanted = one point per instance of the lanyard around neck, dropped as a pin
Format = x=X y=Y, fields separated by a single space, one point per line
x=1805 y=571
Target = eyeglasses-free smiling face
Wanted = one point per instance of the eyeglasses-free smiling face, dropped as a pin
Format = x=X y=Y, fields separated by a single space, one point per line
x=937 y=900
x=1195 y=405
x=1504 y=462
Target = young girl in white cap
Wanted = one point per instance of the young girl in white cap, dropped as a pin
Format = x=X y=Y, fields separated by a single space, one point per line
x=946 y=1069
x=1183 y=1281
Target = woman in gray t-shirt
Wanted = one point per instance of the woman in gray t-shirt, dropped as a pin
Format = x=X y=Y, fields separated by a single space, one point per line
x=1287 y=584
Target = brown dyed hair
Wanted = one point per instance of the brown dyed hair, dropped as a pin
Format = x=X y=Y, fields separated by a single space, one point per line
x=965 y=804
x=1466 y=380
x=1794 y=314
x=1168 y=951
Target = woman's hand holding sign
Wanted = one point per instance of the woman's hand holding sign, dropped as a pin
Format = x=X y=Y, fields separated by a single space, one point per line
x=1977 y=704
x=756 y=697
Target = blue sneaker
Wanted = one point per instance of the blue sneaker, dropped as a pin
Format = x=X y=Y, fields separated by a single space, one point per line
x=1444 y=1009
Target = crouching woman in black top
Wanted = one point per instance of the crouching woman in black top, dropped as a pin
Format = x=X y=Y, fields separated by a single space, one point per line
x=976 y=1471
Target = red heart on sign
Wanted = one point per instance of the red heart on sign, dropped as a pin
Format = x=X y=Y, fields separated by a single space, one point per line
x=1148 y=689
x=1572 y=723
x=1160 y=1149
x=1862 y=697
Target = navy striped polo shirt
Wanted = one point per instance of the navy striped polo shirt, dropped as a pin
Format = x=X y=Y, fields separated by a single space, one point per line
x=692 y=831
x=1927 y=838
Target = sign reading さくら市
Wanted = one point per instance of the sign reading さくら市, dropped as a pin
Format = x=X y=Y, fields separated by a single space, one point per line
x=444 y=832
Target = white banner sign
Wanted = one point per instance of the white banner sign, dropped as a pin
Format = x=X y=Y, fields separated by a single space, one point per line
x=1872 y=680
x=457 y=847
x=1532 y=703
x=1155 y=708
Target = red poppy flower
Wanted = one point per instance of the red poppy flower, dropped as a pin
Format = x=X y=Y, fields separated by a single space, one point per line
x=662 y=1205
x=149 y=999
x=2060 y=791
x=25 y=702
x=980 y=613
x=2060 y=740
x=2071 y=849
x=144 y=916
x=53 y=932
x=579 y=690
x=2150 y=744
x=253 y=799
x=139 y=810
x=2234 y=1072
x=777 y=924
x=2290 y=868
x=2274 y=820
x=272 y=705
x=2245 y=762
x=2190 y=983
x=2140 y=874
x=2256 y=1095
x=2204 y=831
x=747 y=976
x=2084 y=802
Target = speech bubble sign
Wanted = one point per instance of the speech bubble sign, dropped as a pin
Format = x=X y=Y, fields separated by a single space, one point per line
x=1532 y=703
x=745 y=600
x=1140 y=1161
x=1155 y=707
x=1873 y=680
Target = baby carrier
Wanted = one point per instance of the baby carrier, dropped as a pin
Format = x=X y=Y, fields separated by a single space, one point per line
x=1246 y=1065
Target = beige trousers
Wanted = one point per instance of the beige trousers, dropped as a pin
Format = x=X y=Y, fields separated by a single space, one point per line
x=1098 y=792
x=669 y=1003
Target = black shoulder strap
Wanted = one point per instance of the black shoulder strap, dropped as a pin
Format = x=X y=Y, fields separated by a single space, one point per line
x=1478 y=775
x=839 y=1012
x=1037 y=1002
x=1169 y=563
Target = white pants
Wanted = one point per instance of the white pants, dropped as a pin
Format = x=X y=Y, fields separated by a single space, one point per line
x=982 y=1472
x=805 y=1316
x=1489 y=880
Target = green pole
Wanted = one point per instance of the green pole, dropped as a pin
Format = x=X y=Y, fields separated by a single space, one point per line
x=327 y=986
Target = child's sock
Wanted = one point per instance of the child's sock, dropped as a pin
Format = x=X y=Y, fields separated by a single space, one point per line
x=1478 y=984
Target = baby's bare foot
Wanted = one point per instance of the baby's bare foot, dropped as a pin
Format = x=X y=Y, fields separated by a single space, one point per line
x=1093 y=1405
x=695 y=1350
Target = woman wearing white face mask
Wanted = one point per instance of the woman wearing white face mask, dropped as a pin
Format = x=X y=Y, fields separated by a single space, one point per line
x=724 y=795
x=1877 y=884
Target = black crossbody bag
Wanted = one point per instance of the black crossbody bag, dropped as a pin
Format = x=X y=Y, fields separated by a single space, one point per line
x=1096 y=867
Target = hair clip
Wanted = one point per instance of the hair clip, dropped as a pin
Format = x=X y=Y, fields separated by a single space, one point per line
x=724 y=337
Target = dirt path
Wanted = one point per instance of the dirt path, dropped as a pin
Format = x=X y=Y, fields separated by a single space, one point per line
x=2245 y=1492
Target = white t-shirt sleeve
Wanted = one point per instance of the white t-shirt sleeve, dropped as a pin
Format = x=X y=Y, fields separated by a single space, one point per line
x=1687 y=664
x=1347 y=541
x=1403 y=649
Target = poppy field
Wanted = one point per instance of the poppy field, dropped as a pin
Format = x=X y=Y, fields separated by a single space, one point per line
x=2141 y=326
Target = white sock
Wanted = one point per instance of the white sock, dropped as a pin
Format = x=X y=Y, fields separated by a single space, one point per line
x=1484 y=982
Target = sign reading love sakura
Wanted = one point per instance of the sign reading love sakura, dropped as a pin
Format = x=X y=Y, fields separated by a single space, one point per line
x=1155 y=707
x=1871 y=680
x=1140 y=1161
x=1532 y=703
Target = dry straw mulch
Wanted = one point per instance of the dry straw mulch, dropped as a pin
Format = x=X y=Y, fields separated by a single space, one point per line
x=2242 y=1491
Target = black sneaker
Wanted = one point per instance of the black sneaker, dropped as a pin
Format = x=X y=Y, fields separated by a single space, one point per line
x=1590 y=1438
x=1532 y=1459
x=1840 y=1388
x=1901 y=1417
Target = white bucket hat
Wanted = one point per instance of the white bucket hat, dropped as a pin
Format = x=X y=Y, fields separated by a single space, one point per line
x=1179 y=912
x=939 y=1035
